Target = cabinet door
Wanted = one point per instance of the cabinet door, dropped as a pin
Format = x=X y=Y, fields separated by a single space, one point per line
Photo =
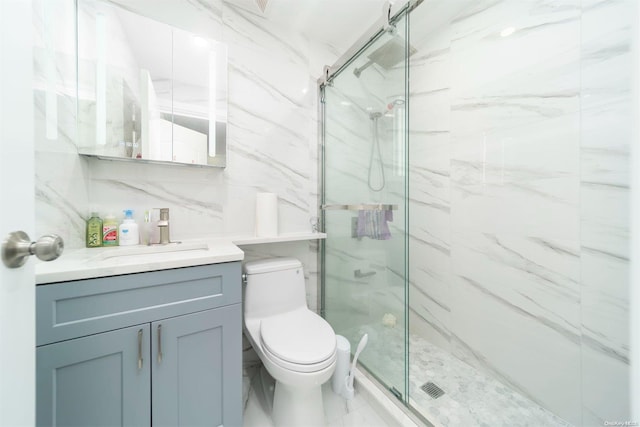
x=99 y=380
x=197 y=369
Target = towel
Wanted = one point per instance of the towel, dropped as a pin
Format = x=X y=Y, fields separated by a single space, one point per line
x=374 y=224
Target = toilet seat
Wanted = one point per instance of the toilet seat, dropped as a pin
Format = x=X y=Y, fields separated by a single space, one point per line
x=299 y=340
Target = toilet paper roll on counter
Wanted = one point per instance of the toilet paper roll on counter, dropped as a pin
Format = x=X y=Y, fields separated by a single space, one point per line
x=266 y=215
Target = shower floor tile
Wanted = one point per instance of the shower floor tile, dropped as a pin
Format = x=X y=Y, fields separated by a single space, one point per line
x=471 y=398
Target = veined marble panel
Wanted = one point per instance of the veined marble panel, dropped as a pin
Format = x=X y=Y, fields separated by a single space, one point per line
x=503 y=338
x=429 y=169
x=61 y=196
x=547 y=148
x=605 y=303
x=515 y=313
x=430 y=294
x=254 y=42
x=430 y=110
x=530 y=75
x=544 y=32
x=605 y=52
x=270 y=117
x=605 y=144
x=116 y=186
x=606 y=385
x=497 y=208
x=606 y=82
x=430 y=65
x=429 y=173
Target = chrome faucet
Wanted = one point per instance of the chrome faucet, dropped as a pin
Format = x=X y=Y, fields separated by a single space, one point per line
x=163 y=224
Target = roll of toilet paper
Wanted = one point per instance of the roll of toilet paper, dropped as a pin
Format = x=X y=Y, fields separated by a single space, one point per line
x=266 y=215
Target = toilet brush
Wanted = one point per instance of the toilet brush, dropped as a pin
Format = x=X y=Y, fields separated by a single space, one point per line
x=348 y=390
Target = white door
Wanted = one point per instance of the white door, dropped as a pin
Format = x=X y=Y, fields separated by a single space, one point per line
x=17 y=286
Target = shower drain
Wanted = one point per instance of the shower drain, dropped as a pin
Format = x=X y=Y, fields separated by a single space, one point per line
x=432 y=390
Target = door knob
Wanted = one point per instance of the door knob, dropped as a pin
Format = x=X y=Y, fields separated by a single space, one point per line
x=17 y=246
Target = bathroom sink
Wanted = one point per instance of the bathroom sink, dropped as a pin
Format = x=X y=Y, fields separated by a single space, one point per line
x=149 y=253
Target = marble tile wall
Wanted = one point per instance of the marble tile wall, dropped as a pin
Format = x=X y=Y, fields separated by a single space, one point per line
x=519 y=195
x=272 y=138
x=605 y=142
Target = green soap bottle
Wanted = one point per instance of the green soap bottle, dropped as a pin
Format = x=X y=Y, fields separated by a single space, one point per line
x=110 y=231
x=94 y=231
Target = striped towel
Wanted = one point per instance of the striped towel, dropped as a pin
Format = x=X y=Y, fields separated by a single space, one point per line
x=374 y=224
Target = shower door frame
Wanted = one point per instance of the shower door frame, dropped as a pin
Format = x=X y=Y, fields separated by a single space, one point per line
x=329 y=73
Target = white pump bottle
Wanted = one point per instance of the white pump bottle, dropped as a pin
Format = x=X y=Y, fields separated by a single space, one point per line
x=129 y=234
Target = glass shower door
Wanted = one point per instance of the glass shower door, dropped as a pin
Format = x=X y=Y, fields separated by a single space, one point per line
x=364 y=206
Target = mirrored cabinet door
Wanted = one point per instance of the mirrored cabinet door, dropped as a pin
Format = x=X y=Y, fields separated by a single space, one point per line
x=148 y=91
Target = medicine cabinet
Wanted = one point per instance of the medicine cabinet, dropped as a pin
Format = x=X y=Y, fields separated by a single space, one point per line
x=147 y=91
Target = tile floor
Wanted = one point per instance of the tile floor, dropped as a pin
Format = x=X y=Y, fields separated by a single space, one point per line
x=339 y=412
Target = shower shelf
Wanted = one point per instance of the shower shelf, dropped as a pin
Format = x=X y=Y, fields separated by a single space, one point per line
x=361 y=207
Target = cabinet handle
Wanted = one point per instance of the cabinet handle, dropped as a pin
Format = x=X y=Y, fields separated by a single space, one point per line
x=159 y=343
x=140 y=349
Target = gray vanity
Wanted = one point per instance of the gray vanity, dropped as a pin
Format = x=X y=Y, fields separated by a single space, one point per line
x=149 y=348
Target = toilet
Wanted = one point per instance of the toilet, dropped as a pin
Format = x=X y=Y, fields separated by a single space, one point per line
x=296 y=346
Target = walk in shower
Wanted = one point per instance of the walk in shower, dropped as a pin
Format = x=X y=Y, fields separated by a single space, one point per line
x=475 y=186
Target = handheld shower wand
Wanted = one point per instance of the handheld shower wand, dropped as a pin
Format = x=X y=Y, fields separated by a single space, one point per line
x=348 y=391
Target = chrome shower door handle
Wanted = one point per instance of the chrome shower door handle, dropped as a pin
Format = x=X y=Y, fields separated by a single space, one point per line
x=17 y=246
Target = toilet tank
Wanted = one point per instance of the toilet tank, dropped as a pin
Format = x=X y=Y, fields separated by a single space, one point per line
x=273 y=286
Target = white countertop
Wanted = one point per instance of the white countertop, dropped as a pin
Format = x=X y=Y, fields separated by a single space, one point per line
x=112 y=261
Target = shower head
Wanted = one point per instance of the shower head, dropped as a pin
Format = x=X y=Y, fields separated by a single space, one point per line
x=387 y=55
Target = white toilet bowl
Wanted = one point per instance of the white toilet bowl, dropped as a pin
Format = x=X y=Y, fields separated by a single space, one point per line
x=296 y=346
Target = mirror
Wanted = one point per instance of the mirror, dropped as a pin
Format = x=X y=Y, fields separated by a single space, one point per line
x=148 y=91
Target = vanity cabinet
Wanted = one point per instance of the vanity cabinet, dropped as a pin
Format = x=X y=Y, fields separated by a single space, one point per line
x=148 y=349
x=87 y=381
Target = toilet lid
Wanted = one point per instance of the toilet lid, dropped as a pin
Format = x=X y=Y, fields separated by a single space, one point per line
x=301 y=337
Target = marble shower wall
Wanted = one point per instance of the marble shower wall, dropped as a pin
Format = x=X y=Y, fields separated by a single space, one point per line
x=519 y=195
x=272 y=138
x=605 y=142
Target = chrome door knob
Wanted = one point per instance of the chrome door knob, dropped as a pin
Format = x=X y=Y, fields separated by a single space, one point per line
x=17 y=246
